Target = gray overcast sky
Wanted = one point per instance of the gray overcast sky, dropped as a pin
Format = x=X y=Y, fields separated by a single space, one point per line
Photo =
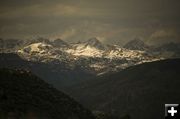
x=112 y=21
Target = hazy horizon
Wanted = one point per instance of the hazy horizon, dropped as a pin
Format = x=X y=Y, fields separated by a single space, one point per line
x=113 y=22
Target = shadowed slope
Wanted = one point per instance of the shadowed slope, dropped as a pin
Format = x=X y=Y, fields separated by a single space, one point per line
x=140 y=91
x=24 y=96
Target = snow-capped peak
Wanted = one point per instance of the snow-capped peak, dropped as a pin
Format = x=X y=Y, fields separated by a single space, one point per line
x=90 y=48
x=36 y=47
x=94 y=42
x=85 y=50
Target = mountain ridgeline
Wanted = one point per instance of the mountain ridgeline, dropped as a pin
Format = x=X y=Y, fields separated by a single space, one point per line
x=90 y=56
x=25 y=96
x=57 y=74
x=140 y=91
x=136 y=44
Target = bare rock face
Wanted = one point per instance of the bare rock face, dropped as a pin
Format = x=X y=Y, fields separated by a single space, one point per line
x=136 y=44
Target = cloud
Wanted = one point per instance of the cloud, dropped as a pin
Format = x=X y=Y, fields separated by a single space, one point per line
x=115 y=21
x=41 y=10
x=163 y=34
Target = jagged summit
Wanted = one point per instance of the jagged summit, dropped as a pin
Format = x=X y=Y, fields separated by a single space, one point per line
x=94 y=42
x=136 y=44
x=60 y=43
x=41 y=39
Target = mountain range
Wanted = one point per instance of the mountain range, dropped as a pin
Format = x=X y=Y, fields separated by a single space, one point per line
x=68 y=63
x=92 y=55
x=108 y=79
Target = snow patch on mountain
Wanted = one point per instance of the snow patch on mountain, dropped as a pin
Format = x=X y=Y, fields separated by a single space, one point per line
x=125 y=53
x=90 y=55
x=82 y=50
x=42 y=52
x=37 y=47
